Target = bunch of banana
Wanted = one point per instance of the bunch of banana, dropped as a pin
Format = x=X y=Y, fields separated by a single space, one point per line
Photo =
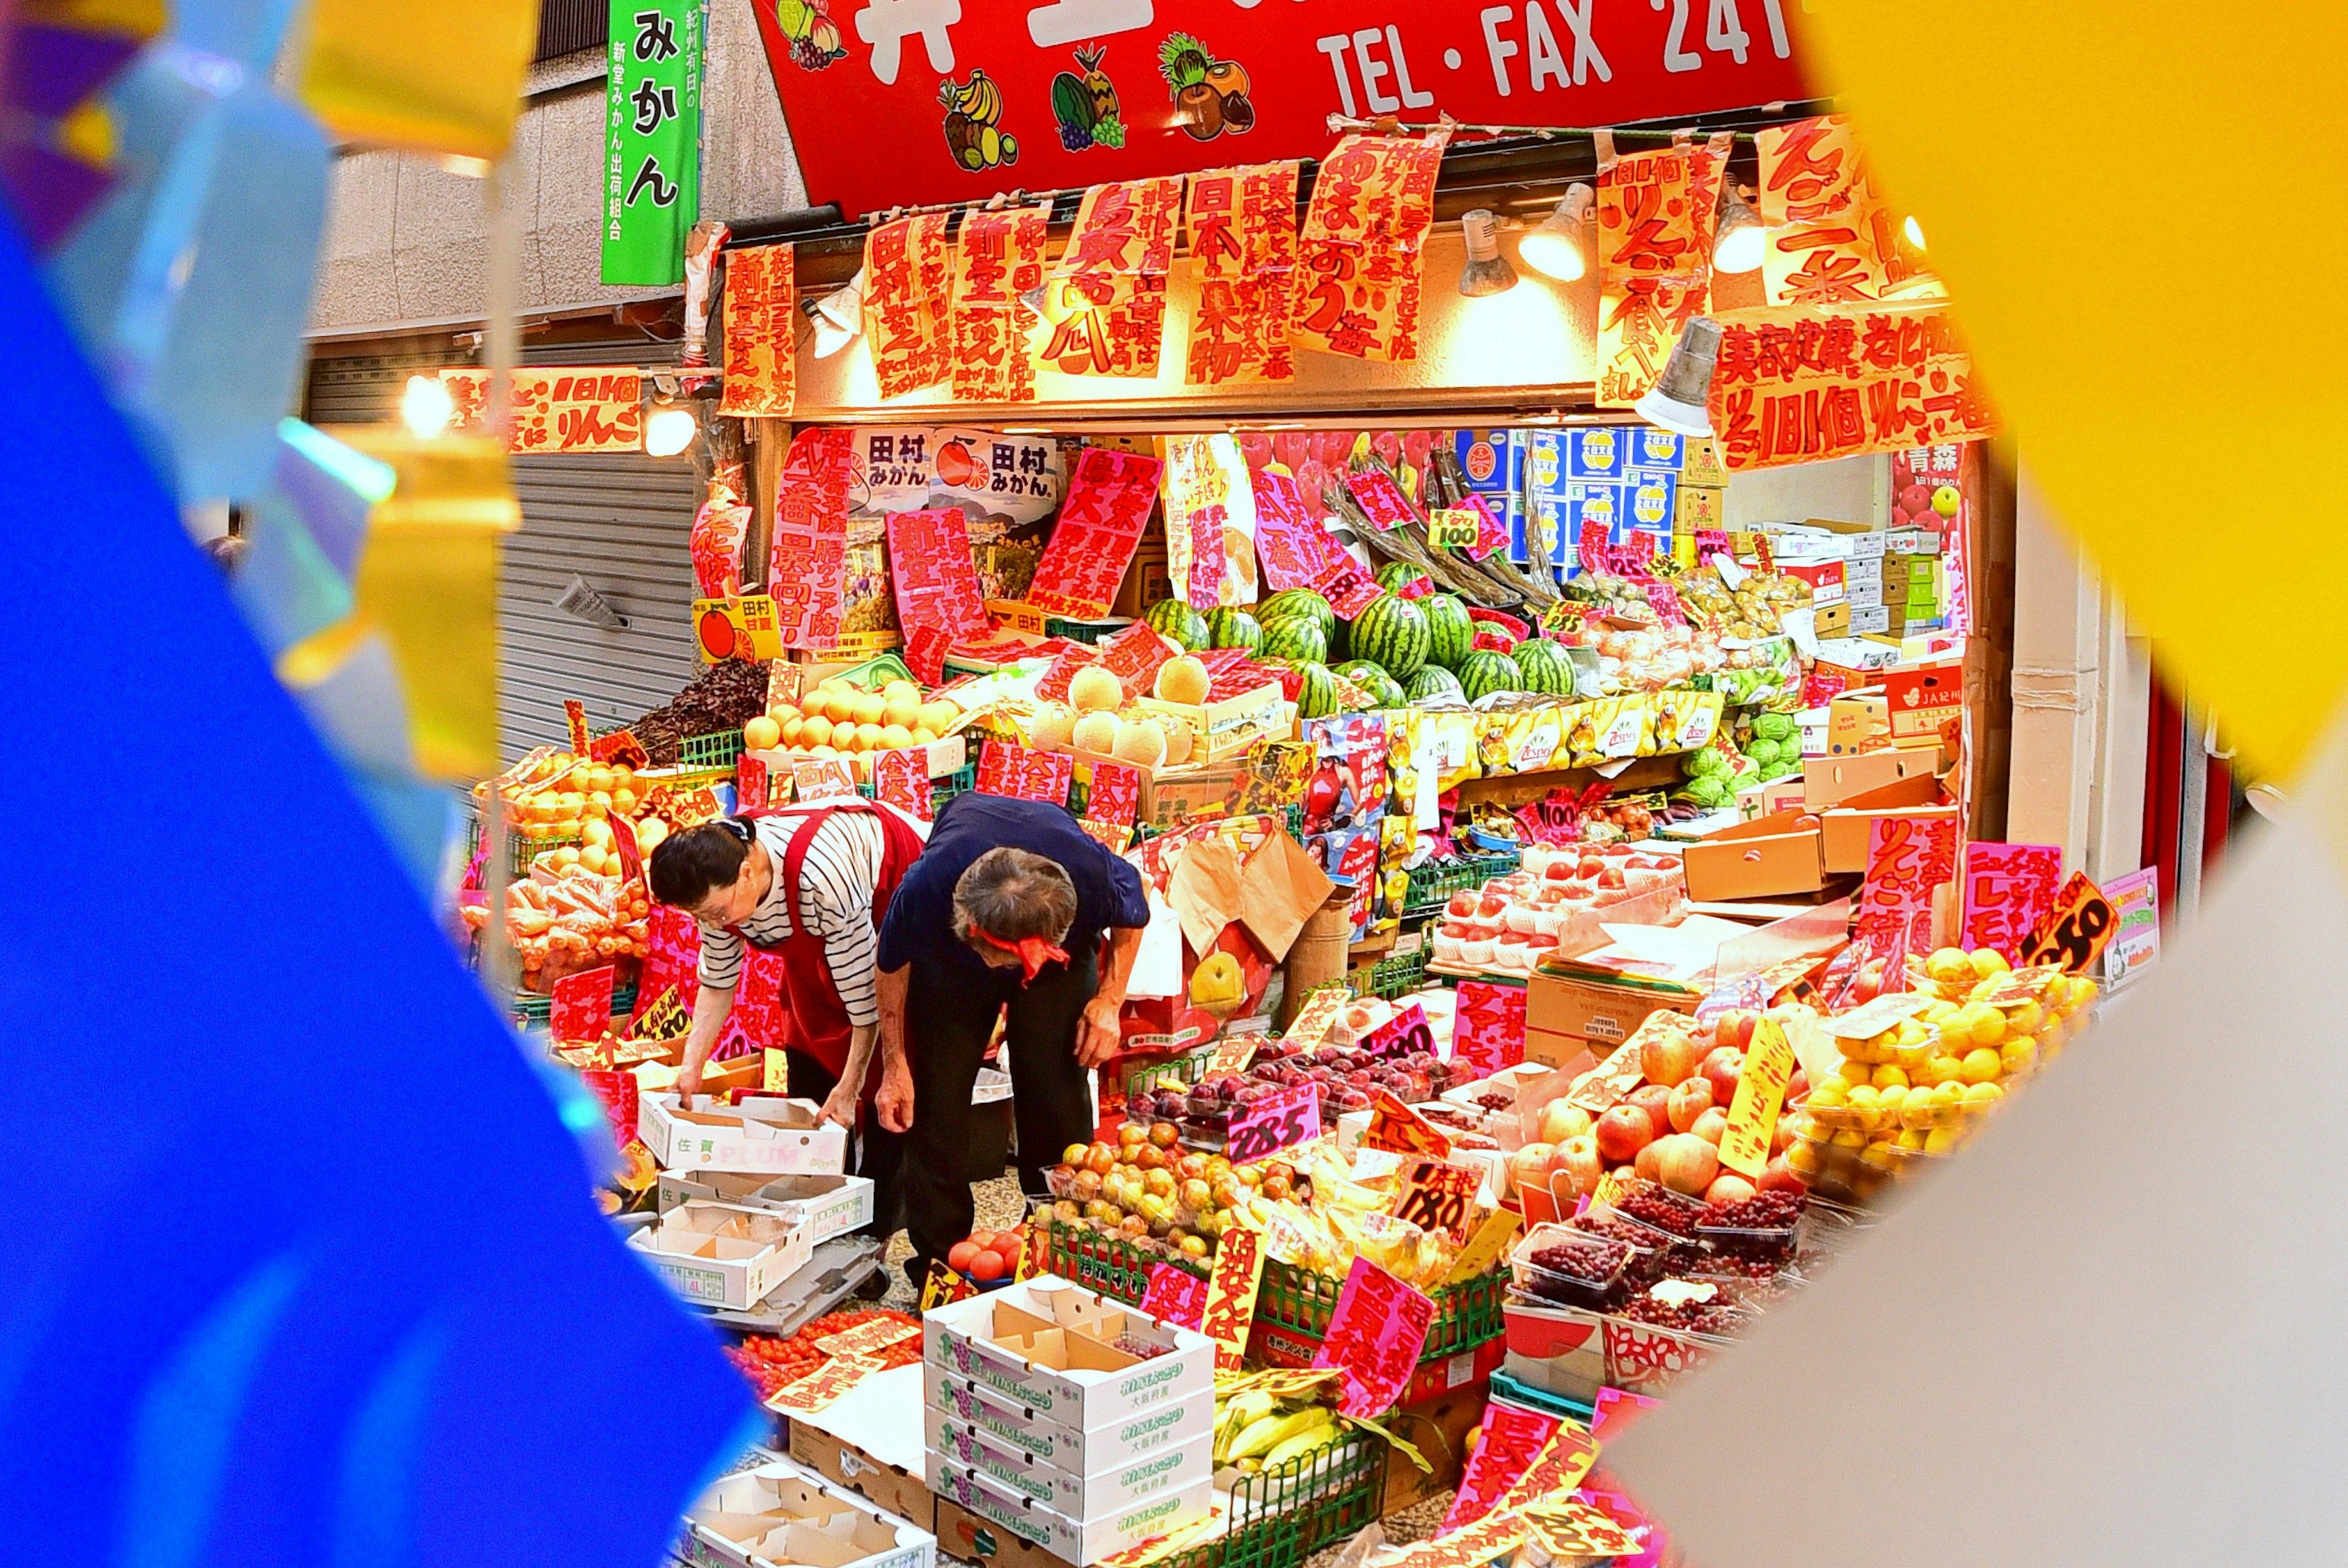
x=1260 y=1430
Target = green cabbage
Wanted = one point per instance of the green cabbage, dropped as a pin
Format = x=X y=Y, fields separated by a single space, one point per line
x=1762 y=752
x=1774 y=726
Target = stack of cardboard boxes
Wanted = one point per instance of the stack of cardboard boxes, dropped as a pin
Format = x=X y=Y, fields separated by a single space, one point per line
x=1546 y=484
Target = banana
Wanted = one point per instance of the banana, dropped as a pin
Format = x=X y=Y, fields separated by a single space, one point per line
x=1271 y=1432
x=1239 y=1415
x=1318 y=1436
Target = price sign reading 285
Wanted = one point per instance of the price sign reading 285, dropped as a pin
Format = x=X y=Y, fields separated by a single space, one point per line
x=1274 y=1123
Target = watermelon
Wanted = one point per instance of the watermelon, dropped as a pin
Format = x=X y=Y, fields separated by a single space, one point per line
x=1483 y=672
x=1384 y=690
x=1432 y=680
x=1396 y=575
x=1299 y=601
x=1391 y=632
x=1295 y=638
x=1234 y=628
x=1450 y=634
x=1317 y=698
x=1173 y=618
x=1543 y=666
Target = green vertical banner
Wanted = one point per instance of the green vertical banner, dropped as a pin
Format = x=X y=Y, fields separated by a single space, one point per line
x=652 y=139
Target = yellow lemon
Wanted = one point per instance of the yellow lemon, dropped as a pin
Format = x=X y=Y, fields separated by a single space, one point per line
x=1802 y=1159
x=1949 y=964
x=1847 y=1139
x=1939 y=1140
x=1982 y=1096
x=1939 y=1070
x=1937 y=1009
x=1984 y=1025
x=1913 y=1138
x=2018 y=1056
x=2026 y=1019
x=1831 y=1094
x=1987 y=961
x=1892 y=1098
x=1855 y=1071
x=1981 y=1066
x=1949 y=1093
x=1878 y=1155
x=1888 y=1077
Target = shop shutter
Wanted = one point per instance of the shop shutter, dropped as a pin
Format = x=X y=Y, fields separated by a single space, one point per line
x=619 y=522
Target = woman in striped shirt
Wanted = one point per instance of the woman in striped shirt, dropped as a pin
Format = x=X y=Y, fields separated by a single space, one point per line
x=810 y=885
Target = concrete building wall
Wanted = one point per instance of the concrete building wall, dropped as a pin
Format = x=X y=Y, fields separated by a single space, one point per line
x=406 y=241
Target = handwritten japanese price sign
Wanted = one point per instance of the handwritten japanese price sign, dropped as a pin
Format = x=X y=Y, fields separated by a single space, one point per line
x=1274 y=1123
x=1203 y=584
x=901 y=778
x=908 y=282
x=1374 y=1337
x=1232 y=1054
x=762 y=311
x=942 y=1285
x=998 y=257
x=1490 y=1031
x=1558 y=1468
x=822 y=778
x=1398 y=1130
x=1801 y=384
x=1311 y=1024
x=1381 y=499
x=574 y=714
x=749 y=783
x=2009 y=888
x=811 y=537
x=1105 y=300
x=1230 y=1295
x=867 y=1339
x=1175 y=1296
x=582 y=1005
x=675 y=951
x=1605 y=1085
x=1491 y=532
x=1654 y=250
x=824 y=1385
x=1406 y=1031
x=1513 y=1438
x=1436 y=1196
x=615 y=1089
x=1906 y=858
x=931 y=572
x=1296 y=550
x=663 y=1017
x=1115 y=793
x=1831 y=237
x=1013 y=771
x=2074 y=933
x=1242 y=229
x=1109 y=498
x=1135 y=656
x=1760 y=1095
x=925 y=652
x=597 y=410
x=1452 y=528
x=1358 y=260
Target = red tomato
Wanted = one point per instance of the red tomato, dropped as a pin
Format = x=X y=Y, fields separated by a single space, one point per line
x=982 y=1238
x=1008 y=1246
x=986 y=1266
x=962 y=1254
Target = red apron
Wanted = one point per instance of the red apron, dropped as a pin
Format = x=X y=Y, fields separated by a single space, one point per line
x=814 y=1021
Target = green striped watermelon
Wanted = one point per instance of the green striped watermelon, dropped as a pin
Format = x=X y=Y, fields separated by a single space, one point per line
x=1230 y=628
x=1173 y=618
x=1396 y=575
x=1295 y=638
x=1384 y=690
x=1317 y=697
x=1391 y=632
x=1483 y=672
x=1450 y=633
x=1432 y=680
x=1543 y=666
x=1299 y=601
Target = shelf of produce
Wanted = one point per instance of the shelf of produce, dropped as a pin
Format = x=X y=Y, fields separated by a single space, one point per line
x=1436 y=881
x=1302 y=1302
x=1661 y=772
x=1111 y=1265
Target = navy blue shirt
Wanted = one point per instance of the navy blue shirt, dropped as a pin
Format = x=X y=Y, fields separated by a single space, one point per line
x=920 y=922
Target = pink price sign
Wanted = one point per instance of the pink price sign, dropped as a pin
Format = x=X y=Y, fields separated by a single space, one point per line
x=1375 y=1336
x=1400 y=1035
x=1274 y=1123
x=581 y=1006
x=1175 y=1296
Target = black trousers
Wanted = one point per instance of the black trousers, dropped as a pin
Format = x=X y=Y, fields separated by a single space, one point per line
x=949 y=1019
x=881 y=1158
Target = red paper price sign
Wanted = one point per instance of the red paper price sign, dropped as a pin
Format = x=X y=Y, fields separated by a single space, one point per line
x=1400 y=1035
x=623 y=840
x=902 y=779
x=2072 y=935
x=1274 y=1123
x=616 y=1089
x=575 y=713
x=1008 y=769
x=1711 y=542
x=1591 y=548
x=1375 y=1336
x=1513 y=1438
x=1452 y=528
x=1491 y=533
x=1115 y=795
x=824 y=1385
x=1349 y=590
x=750 y=783
x=1906 y=858
x=1230 y=1295
x=1175 y=1296
x=1381 y=499
x=1398 y=1130
x=2009 y=890
x=867 y=1339
x=1489 y=1033
x=1436 y=1196
x=1556 y=1469
x=925 y=652
x=1760 y=1095
x=1109 y=502
x=581 y=1006
x=1666 y=601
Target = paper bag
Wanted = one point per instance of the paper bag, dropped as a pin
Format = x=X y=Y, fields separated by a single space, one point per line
x=1281 y=890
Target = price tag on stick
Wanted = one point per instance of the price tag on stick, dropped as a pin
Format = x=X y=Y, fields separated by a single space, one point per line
x=1436 y=1196
x=2074 y=933
x=1230 y=1295
x=1400 y=1035
x=582 y=1005
x=1274 y=1123
x=1760 y=1094
x=1400 y=1129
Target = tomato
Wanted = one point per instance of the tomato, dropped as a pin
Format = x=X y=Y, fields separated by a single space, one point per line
x=987 y=1265
x=962 y=1254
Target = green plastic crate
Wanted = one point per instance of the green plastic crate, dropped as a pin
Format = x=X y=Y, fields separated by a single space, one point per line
x=1109 y=1265
x=1433 y=884
x=722 y=750
x=1090 y=633
x=874 y=673
x=530 y=1009
x=1392 y=974
x=1466 y=1315
x=1281 y=1517
x=1185 y=1069
x=942 y=790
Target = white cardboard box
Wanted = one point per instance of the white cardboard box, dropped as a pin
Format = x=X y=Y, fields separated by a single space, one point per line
x=1082 y=1498
x=827 y=1206
x=720 y=1256
x=959 y=1403
x=771 y=1135
x=1071 y=1541
x=780 y=1513
x=1052 y=1345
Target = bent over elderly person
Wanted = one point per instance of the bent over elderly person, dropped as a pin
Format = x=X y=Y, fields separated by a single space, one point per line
x=1012 y=909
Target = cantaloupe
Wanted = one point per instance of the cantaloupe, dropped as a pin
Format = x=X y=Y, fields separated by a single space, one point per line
x=1178 y=742
x=760 y=733
x=1182 y=680
x=1053 y=725
x=902 y=712
x=1141 y=741
x=1095 y=689
x=1097 y=732
x=938 y=716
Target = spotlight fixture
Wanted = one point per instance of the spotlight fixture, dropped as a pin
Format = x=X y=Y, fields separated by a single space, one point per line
x=1737 y=237
x=669 y=430
x=426 y=407
x=1487 y=271
x=1556 y=246
x=1677 y=401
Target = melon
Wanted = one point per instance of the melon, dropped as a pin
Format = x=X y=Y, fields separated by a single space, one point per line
x=1140 y=740
x=1097 y=732
x=1542 y=666
x=1297 y=638
x=1178 y=742
x=1052 y=726
x=1450 y=630
x=1182 y=680
x=1431 y=681
x=1095 y=689
x=1483 y=672
x=1391 y=633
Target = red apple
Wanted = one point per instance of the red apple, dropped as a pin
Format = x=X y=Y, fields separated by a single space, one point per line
x=1577 y=1158
x=1623 y=1133
x=1711 y=1126
x=1648 y=1167
x=1529 y=1166
x=1656 y=1101
x=1724 y=1066
x=1728 y=1187
x=1777 y=1176
x=1462 y=907
x=1685 y=1162
x=1690 y=1099
x=1611 y=877
x=1734 y=1027
x=1560 y=1120
x=1668 y=1057
x=1796 y=1086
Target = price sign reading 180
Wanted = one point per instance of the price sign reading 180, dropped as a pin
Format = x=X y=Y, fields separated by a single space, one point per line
x=1274 y=1123
x=1402 y=1035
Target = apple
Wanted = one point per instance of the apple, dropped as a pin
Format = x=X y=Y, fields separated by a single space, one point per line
x=1462 y=907
x=1560 y=1120
x=1529 y=1166
x=1734 y=1027
x=1685 y=1162
x=1798 y=1085
x=1777 y=1176
x=1622 y=1131
x=1668 y=1057
x=1656 y=1101
x=1724 y=1066
x=1577 y=1158
x=1690 y=1099
x=1728 y=1187
x=1648 y=1167
x=1611 y=877
x=1711 y=1126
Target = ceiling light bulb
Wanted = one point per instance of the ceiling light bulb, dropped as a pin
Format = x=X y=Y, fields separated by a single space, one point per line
x=1677 y=401
x=426 y=407
x=1487 y=271
x=1737 y=237
x=1556 y=246
x=1913 y=230
x=838 y=317
x=669 y=431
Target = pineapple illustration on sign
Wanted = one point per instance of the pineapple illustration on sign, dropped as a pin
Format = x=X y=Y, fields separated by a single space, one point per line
x=973 y=109
x=1085 y=105
x=1210 y=95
